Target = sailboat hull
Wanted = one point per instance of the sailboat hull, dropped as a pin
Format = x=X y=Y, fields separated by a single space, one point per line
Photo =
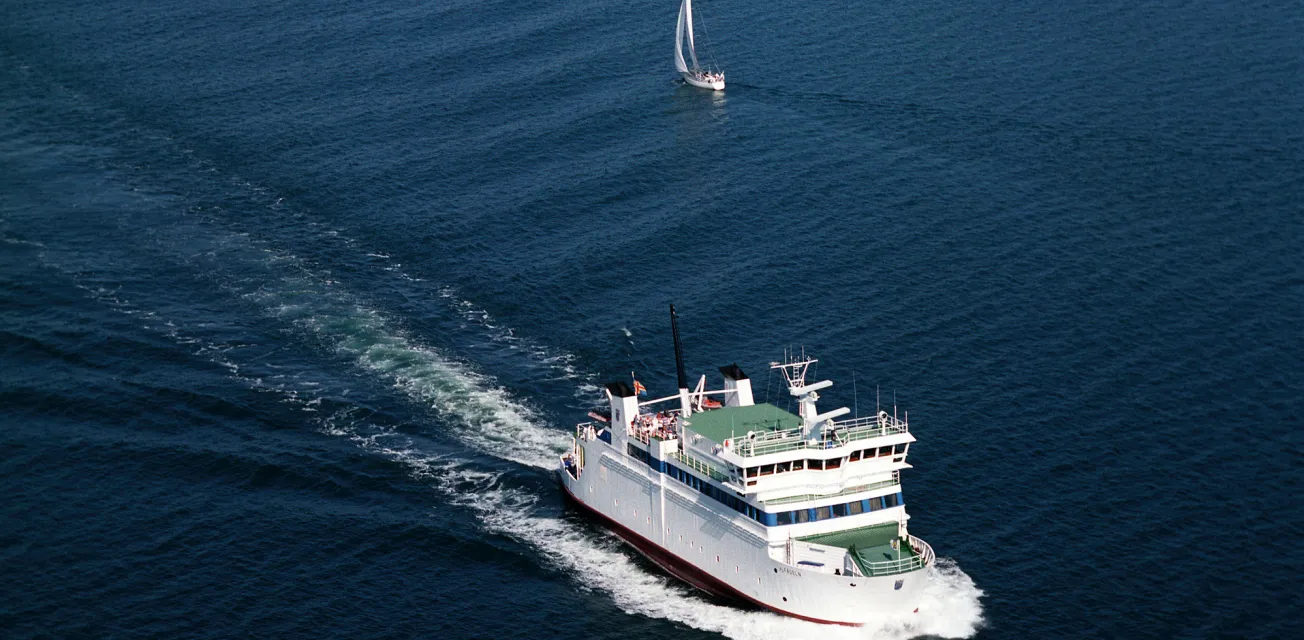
x=717 y=85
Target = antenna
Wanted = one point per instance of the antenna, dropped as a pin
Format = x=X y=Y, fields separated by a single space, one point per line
x=894 y=405
x=855 y=399
x=877 y=400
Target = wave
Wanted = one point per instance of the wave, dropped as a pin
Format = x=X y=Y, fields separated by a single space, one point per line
x=587 y=391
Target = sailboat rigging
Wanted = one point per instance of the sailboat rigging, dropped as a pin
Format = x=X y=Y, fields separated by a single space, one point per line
x=695 y=75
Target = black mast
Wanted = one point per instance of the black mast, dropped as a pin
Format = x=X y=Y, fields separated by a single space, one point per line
x=679 y=349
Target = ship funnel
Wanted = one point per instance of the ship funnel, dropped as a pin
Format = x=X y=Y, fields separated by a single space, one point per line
x=624 y=408
x=737 y=387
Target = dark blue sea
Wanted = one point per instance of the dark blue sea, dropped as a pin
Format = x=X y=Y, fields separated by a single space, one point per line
x=300 y=300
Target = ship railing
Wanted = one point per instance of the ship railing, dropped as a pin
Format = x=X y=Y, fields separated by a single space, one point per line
x=701 y=467
x=645 y=436
x=921 y=558
x=589 y=431
x=895 y=480
x=586 y=431
x=569 y=463
x=646 y=427
x=868 y=427
x=923 y=549
x=837 y=434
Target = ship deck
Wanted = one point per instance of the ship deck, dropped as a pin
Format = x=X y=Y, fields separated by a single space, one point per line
x=871 y=548
x=728 y=423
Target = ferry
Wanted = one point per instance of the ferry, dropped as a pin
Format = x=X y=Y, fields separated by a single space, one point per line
x=801 y=514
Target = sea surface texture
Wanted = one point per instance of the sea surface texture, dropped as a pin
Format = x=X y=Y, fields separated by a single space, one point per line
x=300 y=300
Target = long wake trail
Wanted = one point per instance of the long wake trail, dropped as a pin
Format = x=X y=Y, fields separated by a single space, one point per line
x=491 y=421
x=488 y=419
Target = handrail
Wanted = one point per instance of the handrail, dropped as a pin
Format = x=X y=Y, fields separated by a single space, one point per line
x=838 y=434
x=896 y=480
x=922 y=557
x=926 y=550
x=584 y=429
x=701 y=467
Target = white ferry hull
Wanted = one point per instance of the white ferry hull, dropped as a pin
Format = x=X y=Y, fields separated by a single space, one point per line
x=681 y=531
x=717 y=85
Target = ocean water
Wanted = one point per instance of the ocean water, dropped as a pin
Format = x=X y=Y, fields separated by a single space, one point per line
x=299 y=301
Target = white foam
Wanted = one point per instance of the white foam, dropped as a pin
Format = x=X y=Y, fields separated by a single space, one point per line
x=561 y=362
x=483 y=414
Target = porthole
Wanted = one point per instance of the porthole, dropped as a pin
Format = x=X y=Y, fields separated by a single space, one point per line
x=717 y=559
x=785 y=598
x=776 y=569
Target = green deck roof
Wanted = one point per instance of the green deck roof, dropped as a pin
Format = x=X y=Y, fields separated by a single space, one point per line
x=871 y=536
x=872 y=544
x=721 y=424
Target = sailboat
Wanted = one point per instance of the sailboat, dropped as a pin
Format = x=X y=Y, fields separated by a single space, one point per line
x=696 y=76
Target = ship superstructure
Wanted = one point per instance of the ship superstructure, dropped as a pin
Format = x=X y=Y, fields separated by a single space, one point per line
x=802 y=514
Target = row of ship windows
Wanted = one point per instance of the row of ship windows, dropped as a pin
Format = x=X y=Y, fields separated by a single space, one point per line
x=796 y=516
x=825 y=465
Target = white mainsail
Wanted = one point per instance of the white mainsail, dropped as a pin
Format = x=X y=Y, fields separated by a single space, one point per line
x=680 y=66
x=685 y=26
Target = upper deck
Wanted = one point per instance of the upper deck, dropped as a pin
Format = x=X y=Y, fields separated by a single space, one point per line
x=731 y=423
x=765 y=429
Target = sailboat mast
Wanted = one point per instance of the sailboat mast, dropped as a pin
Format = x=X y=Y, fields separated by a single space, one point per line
x=688 y=22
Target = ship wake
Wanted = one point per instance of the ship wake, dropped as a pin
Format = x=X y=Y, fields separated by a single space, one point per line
x=488 y=419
